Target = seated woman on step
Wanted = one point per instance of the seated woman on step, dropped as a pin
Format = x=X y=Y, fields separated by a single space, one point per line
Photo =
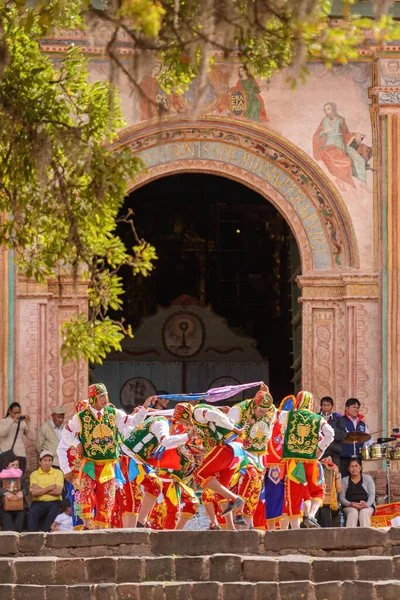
x=358 y=496
x=13 y=491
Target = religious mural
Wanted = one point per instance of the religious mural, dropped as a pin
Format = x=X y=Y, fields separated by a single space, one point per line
x=228 y=91
x=343 y=152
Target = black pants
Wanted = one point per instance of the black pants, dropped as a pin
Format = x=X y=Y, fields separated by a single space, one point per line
x=43 y=510
x=326 y=516
x=12 y=520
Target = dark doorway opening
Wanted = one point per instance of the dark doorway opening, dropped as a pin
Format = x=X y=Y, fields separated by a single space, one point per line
x=225 y=245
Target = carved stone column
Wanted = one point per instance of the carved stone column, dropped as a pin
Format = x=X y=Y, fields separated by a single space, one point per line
x=43 y=381
x=341 y=340
x=386 y=118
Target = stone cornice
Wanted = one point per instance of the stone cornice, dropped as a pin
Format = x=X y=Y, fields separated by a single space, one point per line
x=342 y=287
x=67 y=289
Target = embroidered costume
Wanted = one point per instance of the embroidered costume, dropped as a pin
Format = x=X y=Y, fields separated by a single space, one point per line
x=142 y=444
x=97 y=431
x=274 y=481
x=256 y=432
x=306 y=437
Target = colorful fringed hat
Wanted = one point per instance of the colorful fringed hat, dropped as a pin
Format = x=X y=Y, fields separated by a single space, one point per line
x=304 y=401
x=263 y=399
x=81 y=405
x=183 y=412
x=287 y=403
x=95 y=390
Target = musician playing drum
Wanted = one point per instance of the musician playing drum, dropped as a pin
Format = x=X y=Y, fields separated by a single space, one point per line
x=354 y=423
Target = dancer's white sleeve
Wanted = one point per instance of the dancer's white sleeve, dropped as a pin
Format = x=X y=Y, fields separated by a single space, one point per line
x=204 y=415
x=161 y=431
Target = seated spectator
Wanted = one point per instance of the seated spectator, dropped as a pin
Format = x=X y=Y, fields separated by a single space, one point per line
x=333 y=482
x=357 y=496
x=12 y=488
x=46 y=489
x=63 y=521
x=49 y=435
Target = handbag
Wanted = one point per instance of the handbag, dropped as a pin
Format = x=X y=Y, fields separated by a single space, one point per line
x=12 y=485
x=10 y=452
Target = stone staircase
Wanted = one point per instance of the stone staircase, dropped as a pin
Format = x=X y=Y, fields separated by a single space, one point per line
x=324 y=564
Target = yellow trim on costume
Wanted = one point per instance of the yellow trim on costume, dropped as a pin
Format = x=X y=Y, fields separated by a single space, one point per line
x=102 y=524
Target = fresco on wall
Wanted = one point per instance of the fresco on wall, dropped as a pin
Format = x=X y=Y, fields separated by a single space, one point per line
x=390 y=72
x=228 y=91
x=343 y=152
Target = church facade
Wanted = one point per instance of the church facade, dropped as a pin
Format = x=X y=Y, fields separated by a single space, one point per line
x=326 y=155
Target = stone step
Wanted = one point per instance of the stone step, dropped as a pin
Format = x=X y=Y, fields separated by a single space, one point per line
x=218 y=567
x=210 y=590
x=141 y=542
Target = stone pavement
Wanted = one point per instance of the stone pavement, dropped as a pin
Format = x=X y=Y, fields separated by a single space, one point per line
x=325 y=564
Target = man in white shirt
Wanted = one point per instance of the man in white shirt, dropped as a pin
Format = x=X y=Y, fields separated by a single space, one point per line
x=49 y=434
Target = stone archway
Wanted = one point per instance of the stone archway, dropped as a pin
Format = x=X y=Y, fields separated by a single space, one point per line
x=340 y=304
x=264 y=161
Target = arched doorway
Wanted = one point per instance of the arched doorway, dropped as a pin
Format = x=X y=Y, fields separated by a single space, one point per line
x=227 y=248
x=339 y=302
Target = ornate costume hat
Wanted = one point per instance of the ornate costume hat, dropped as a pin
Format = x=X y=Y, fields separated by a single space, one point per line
x=304 y=401
x=81 y=405
x=94 y=390
x=183 y=412
x=263 y=399
x=287 y=403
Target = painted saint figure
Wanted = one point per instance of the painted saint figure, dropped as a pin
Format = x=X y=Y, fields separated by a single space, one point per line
x=246 y=99
x=343 y=153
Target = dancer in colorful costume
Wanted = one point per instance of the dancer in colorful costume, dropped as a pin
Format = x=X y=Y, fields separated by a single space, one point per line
x=255 y=417
x=71 y=461
x=224 y=452
x=143 y=445
x=274 y=481
x=306 y=437
x=94 y=431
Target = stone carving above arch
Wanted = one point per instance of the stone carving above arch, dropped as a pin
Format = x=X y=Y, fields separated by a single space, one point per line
x=262 y=160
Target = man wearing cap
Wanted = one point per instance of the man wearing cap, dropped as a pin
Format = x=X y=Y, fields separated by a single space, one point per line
x=46 y=486
x=95 y=431
x=49 y=435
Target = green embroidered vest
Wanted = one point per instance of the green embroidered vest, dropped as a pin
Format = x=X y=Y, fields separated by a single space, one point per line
x=211 y=434
x=99 y=438
x=302 y=435
x=142 y=441
x=257 y=432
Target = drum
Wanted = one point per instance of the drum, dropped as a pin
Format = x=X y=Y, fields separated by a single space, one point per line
x=379 y=451
x=395 y=453
x=366 y=453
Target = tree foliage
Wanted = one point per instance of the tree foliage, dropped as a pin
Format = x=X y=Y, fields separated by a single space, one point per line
x=61 y=188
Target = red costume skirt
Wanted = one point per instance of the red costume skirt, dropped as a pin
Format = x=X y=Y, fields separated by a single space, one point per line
x=217 y=464
x=99 y=496
x=296 y=493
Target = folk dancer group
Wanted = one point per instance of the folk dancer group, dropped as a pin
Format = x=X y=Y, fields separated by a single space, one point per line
x=255 y=464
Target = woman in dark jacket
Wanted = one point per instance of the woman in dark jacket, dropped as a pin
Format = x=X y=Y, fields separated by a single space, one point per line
x=12 y=520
